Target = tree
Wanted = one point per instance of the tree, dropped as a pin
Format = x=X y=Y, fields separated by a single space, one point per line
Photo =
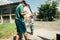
x=47 y=11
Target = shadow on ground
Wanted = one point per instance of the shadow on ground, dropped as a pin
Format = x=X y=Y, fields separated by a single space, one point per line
x=14 y=38
x=43 y=38
x=29 y=33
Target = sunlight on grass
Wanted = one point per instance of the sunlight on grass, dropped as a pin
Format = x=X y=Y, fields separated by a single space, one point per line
x=7 y=30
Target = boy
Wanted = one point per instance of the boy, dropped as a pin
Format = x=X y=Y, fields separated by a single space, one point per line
x=31 y=21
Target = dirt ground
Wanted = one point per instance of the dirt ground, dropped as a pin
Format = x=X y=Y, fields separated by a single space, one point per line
x=44 y=30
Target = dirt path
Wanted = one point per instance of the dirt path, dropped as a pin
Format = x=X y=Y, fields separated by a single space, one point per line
x=44 y=31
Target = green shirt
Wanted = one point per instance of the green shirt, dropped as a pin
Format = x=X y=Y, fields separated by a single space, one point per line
x=19 y=10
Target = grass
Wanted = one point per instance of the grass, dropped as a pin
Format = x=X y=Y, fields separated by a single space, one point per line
x=7 y=30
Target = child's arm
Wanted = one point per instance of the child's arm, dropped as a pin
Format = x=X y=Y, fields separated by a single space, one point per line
x=31 y=22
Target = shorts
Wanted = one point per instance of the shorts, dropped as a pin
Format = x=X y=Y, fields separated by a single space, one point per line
x=32 y=27
x=21 y=27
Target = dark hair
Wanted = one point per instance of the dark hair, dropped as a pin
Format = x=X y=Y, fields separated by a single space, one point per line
x=23 y=2
x=31 y=16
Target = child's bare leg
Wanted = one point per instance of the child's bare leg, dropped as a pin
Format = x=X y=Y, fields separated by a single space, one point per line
x=31 y=32
x=32 y=29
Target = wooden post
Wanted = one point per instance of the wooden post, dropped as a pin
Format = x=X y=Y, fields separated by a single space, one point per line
x=10 y=16
x=1 y=17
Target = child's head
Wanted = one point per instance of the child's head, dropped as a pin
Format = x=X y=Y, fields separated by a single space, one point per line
x=31 y=16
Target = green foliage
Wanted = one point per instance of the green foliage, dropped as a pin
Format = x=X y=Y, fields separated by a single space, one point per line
x=47 y=10
x=7 y=30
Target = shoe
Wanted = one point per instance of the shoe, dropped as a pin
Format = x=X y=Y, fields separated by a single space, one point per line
x=31 y=33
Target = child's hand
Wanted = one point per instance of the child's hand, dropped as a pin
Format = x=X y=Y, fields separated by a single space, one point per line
x=25 y=12
x=28 y=25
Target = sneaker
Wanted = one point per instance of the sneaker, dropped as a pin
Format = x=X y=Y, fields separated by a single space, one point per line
x=31 y=33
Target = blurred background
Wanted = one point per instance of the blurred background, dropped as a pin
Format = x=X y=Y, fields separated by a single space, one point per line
x=46 y=16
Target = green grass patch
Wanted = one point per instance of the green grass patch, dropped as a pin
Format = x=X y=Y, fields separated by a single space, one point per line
x=7 y=30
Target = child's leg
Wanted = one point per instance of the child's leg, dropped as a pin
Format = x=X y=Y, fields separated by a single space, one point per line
x=32 y=29
x=32 y=32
